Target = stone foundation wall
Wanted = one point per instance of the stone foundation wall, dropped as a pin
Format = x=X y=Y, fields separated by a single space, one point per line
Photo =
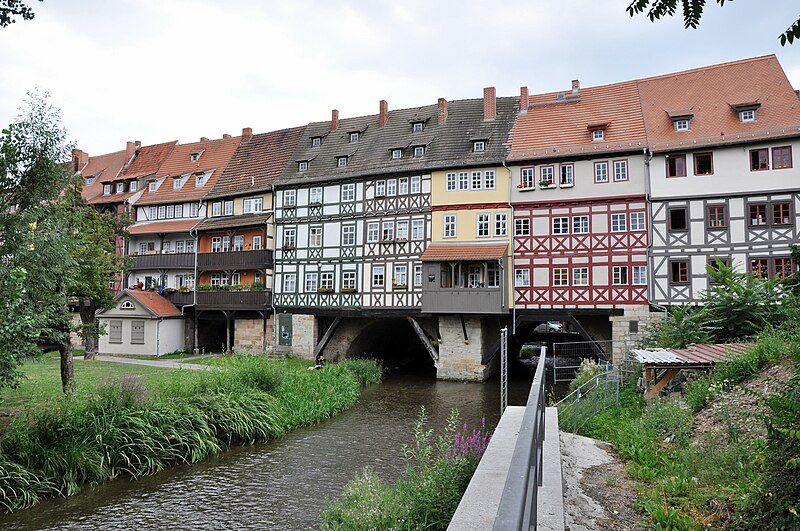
x=249 y=335
x=628 y=329
x=460 y=359
x=304 y=336
x=344 y=335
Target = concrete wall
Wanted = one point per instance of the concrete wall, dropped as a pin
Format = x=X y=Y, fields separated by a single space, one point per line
x=159 y=337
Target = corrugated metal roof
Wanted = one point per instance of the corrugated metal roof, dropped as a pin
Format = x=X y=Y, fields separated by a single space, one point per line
x=690 y=356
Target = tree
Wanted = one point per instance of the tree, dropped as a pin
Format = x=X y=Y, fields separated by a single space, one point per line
x=693 y=12
x=14 y=8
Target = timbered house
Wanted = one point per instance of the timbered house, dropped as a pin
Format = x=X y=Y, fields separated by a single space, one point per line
x=723 y=182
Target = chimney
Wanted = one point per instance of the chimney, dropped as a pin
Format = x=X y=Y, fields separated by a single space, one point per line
x=334 y=119
x=384 y=113
x=247 y=133
x=576 y=87
x=203 y=139
x=138 y=144
x=130 y=149
x=523 y=100
x=226 y=135
x=442 y=110
x=489 y=103
x=79 y=159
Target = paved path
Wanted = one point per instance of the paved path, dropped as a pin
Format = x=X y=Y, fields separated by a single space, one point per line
x=166 y=364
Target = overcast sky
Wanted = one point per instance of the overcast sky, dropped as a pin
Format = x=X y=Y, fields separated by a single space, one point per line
x=157 y=70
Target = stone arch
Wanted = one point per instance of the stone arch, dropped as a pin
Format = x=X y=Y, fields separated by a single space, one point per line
x=394 y=342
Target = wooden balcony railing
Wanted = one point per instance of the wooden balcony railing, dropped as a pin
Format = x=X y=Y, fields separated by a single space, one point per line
x=233 y=300
x=163 y=261
x=259 y=259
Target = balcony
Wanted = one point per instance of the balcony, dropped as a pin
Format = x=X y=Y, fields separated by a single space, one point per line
x=163 y=261
x=179 y=298
x=463 y=300
x=233 y=300
x=234 y=260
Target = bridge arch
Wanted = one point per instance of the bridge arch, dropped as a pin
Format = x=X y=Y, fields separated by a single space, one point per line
x=394 y=343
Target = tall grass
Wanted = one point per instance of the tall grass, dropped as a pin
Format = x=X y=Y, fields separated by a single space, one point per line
x=125 y=429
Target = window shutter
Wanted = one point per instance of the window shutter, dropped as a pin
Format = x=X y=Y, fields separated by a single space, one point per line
x=115 y=332
x=137 y=332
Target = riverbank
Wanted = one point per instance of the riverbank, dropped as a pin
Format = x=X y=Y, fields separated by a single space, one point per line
x=136 y=421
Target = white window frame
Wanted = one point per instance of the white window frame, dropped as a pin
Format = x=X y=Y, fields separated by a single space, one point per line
x=354 y=137
x=479 y=146
x=257 y=242
x=522 y=227
x=489 y=180
x=419 y=151
x=560 y=277
x=601 y=176
x=476 y=183
x=216 y=209
x=416 y=127
x=401 y=230
x=598 y=135
x=311 y=283
x=463 y=180
x=681 y=125
x=522 y=278
x=500 y=224
x=348 y=192
x=316 y=141
x=238 y=242
x=120 y=188
x=289 y=198
x=133 y=186
x=341 y=162
x=152 y=186
x=397 y=154
x=315 y=195
x=417 y=276
x=580 y=276
x=580 y=224
x=315 y=236
x=380 y=188
x=527 y=177
x=289 y=237
x=619 y=223
x=348 y=234
x=228 y=208
x=302 y=166
x=482 y=225
x=387 y=231
x=289 y=282
x=638 y=221
x=639 y=275
x=566 y=175
x=616 y=276
x=416 y=184
x=547 y=175
x=449 y=226
x=400 y=276
x=106 y=189
x=348 y=280
x=620 y=170
x=747 y=116
x=402 y=186
x=450 y=182
x=391 y=187
x=373 y=232
x=326 y=280
x=417 y=229
x=378 y=276
x=561 y=225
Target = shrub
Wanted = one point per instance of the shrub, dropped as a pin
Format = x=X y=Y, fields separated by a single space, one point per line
x=365 y=371
x=587 y=370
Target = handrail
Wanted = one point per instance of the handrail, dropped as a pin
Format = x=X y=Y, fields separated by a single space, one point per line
x=594 y=379
x=517 y=509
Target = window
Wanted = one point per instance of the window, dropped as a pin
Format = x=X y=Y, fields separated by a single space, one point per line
x=170 y=211
x=618 y=223
x=759 y=159
x=526 y=178
x=758 y=215
x=747 y=116
x=180 y=246
x=676 y=165
x=580 y=224
x=348 y=235
x=560 y=225
x=391 y=187
x=289 y=198
x=419 y=151
x=256 y=243
x=601 y=172
x=216 y=209
x=311 y=283
x=450 y=182
x=166 y=247
x=619 y=275
x=142 y=247
x=316 y=141
x=681 y=125
x=326 y=281
x=177 y=183
x=637 y=221
x=397 y=153
x=417 y=275
x=522 y=227
x=120 y=188
x=289 y=282
x=492 y=276
x=400 y=279
x=417 y=229
x=89 y=181
x=545 y=175
x=178 y=211
x=226 y=243
x=560 y=277
x=349 y=192
x=781 y=157
x=353 y=137
x=678 y=220
x=378 y=276
x=489 y=179
x=703 y=164
x=236 y=279
x=782 y=213
x=152 y=213
x=115 y=332
x=416 y=184
x=373 y=230
x=387 y=232
x=450 y=226
x=783 y=267
x=402 y=186
x=522 y=277
x=219 y=279
x=380 y=189
x=349 y=280
x=194 y=157
x=289 y=237
x=598 y=135
x=620 y=170
x=580 y=276
x=463 y=181
x=477 y=180
x=716 y=217
x=302 y=165
x=253 y=204
x=106 y=189
x=402 y=230
x=133 y=186
x=189 y=246
x=194 y=210
x=341 y=162
x=483 y=225
x=201 y=179
x=760 y=267
x=416 y=127
x=238 y=243
x=228 y=208
x=152 y=187
x=500 y=224
x=567 y=174
x=479 y=146
x=315 y=237
x=679 y=272
x=639 y=275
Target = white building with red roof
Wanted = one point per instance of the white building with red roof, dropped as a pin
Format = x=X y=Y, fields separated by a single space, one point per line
x=141 y=323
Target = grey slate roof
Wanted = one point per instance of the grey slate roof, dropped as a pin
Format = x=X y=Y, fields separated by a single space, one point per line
x=448 y=145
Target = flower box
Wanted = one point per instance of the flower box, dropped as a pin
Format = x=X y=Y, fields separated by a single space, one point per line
x=324 y=290
x=523 y=188
x=288 y=248
x=315 y=204
x=349 y=290
x=567 y=185
x=399 y=286
x=546 y=185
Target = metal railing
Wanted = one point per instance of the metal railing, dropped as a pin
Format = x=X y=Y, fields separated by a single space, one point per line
x=517 y=508
x=592 y=397
x=568 y=356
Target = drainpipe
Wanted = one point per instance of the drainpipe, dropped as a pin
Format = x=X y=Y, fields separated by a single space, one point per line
x=158 y=337
x=647 y=194
x=193 y=234
x=511 y=245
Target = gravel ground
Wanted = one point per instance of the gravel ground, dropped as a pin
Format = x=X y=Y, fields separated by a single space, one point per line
x=597 y=493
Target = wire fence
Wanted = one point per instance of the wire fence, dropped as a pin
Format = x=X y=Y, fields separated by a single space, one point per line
x=568 y=356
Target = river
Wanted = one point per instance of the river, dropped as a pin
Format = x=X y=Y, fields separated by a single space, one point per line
x=282 y=484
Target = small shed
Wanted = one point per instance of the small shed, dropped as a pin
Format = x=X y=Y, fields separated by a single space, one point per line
x=662 y=365
x=141 y=323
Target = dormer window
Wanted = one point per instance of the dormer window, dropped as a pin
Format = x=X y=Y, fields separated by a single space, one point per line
x=89 y=181
x=202 y=179
x=194 y=157
x=354 y=137
x=341 y=161
x=748 y=115
x=153 y=186
x=479 y=146
x=120 y=188
x=133 y=186
x=316 y=141
x=177 y=183
x=302 y=166
x=598 y=135
x=397 y=153
x=419 y=151
x=106 y=189
x=681 y=125
x=416 y=127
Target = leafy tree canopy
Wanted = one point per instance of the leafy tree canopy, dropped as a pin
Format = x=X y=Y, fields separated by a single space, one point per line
x=9 y=9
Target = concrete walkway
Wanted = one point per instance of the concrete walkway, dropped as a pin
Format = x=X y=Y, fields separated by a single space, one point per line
x=165 y=364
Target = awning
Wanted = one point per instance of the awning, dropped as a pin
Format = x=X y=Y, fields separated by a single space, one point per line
x=692 y=356
x=443 y=252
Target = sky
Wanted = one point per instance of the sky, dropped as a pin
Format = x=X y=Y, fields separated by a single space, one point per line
x=159 y=70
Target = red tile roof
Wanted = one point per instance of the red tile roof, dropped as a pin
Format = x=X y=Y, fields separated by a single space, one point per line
x=438 y=252
x=102 y=167
x=154 y=303
x=147 y=161
x=158 y=227
x=215 y=155
x=111 y=198
x=709 y=94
